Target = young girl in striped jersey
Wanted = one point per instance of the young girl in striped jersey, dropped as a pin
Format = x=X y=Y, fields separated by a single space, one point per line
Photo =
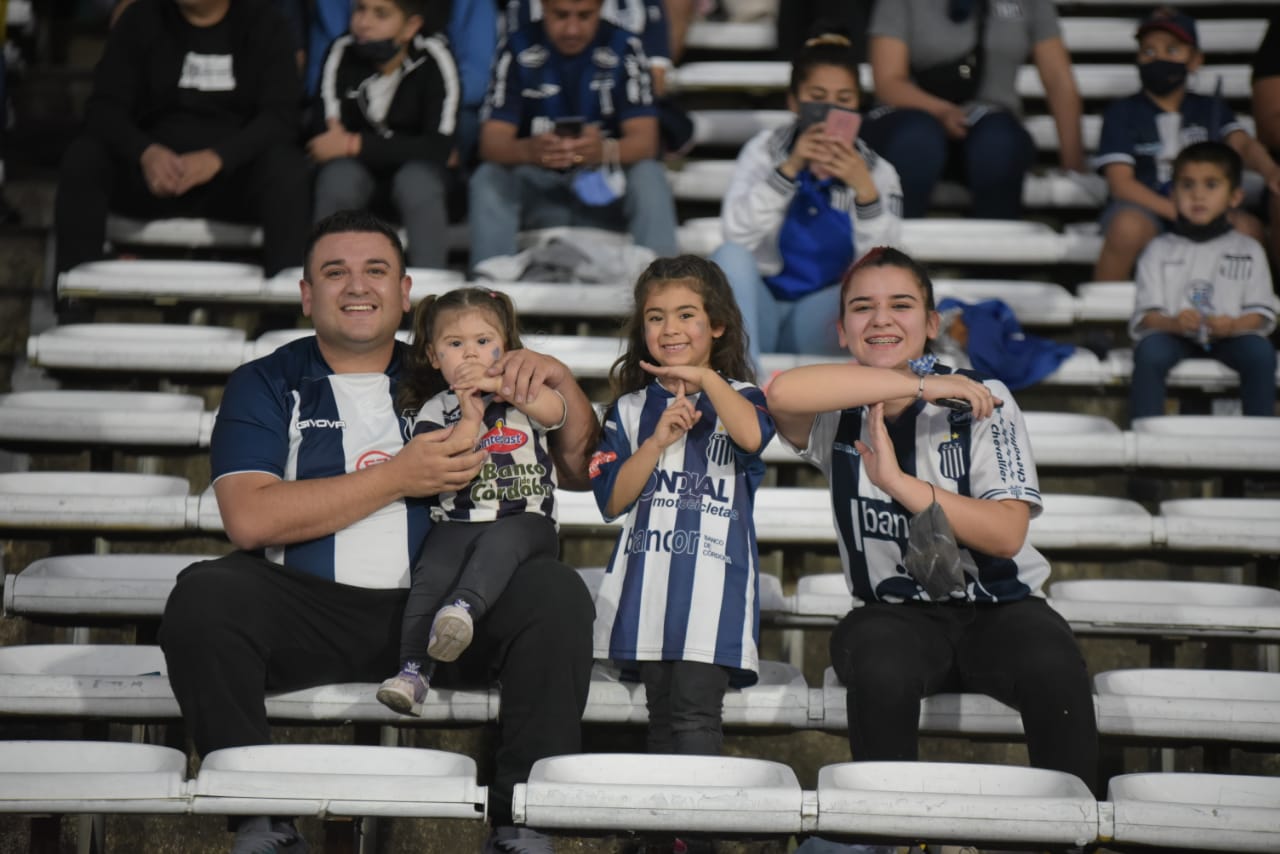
x=680 y=455
x=505 y=516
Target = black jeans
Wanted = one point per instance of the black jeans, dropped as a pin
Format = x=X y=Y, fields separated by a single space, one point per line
x=272 y=190
x=686 y=704
x=238 y=626
x=1021 y=653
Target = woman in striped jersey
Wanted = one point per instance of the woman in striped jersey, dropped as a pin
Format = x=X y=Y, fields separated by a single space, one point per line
x=901 y=440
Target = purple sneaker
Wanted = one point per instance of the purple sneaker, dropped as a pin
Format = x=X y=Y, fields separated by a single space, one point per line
x=404 y=692
x=450 y=632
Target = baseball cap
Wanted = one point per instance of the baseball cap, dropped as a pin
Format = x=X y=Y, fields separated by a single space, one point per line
x=1182 y=27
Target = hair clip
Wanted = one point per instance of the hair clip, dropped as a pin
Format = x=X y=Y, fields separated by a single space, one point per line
x=923 y=366
x=828 y=38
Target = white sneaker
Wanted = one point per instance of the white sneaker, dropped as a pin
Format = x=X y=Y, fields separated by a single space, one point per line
x=451 y=632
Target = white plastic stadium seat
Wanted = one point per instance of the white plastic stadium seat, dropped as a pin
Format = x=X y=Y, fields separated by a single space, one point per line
x=357 y=701
x=958 y=802
x=283 y=286
x=92 y=585
x=337 y=780
x=1070 y=439
x=823 y=595
x=1196 y=812
x=1034 y=303
x=1241 y=525
x=1181 y=704
x=85 y=680
x=80 y=777
x=1091 y=522
x=1181 y=608
x=143 y=347
x=732 y=35
x=191 y=233
x=645 y=792
x=981 y=241
x=137 y=418
x=1203 y=373
x=1110 y=302
x=779 y=699
x=159 y=279
x=1115 y=35
x=93 y=501
x=1081 y=368
x=1225 y=443
x=943 y=714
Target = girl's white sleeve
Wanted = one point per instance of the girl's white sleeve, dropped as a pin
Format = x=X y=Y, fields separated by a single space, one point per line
x=879 y=223
x=758 y=195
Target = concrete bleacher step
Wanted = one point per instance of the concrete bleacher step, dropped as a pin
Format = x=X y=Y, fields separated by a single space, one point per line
x=656 y=792
x=955 y=802
x=1196 y=812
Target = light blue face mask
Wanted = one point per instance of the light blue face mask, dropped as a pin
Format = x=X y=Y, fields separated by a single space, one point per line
x=605 y=184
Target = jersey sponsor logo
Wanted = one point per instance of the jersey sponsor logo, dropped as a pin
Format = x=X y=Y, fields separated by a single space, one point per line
x=719 y=450
x=322 y=424
x=604 y=57
x=690 y=484
x=546 y=90
x=677 y=542
x=598 y=459
x=534 y=56
x=207 y=72
x=881 y=520
x=371 y=458
x=1235 y=267
x=1009 y=10
x=510 y=483
x=603 y=87
x=1010 y=465
x=502 y=438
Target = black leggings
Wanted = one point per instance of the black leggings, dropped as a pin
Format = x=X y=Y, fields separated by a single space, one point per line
x=686 y=705
x=1021 y=653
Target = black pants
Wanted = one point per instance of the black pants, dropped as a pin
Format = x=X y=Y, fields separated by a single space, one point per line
x=239 y=626
x=473 y=561
x=686 y=705
x=1021 y=653
x=273 y=190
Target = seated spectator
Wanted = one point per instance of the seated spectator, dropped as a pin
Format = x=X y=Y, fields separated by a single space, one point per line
x=933 y=526
x=1204 y=289
x=1143 y=133
x=957 y=113
x=1266 y=116
x=192 y=114
x=385 y=123
x=803 y=204
x=473 y=37
x=648 y=20
x=569 y=112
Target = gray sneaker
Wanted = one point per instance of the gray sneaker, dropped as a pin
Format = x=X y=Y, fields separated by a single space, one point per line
x=450 y=632
x=261 y=835
x=517 y=840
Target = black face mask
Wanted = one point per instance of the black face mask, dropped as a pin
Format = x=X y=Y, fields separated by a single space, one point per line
x=1162 y=76
x=378 y=52
x=1215 y=227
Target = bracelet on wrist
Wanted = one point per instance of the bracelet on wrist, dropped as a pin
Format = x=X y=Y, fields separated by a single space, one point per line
x=920 y=387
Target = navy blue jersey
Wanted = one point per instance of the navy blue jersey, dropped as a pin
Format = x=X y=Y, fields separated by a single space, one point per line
x=288 y=415
x=533 y=84
x=683 y=583
x=1135 y=130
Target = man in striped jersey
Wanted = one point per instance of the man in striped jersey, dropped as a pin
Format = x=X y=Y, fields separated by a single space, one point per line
x=322 y=494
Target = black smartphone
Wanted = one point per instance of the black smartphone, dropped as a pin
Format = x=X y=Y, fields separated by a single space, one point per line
x=570 y=126
x=811 y=113
x=956 y=403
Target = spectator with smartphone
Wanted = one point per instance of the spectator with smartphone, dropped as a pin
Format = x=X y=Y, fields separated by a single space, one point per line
x=537 y=174
x=806 y=200
x=957 y=113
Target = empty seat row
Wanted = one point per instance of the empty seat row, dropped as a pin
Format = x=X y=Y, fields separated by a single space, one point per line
x=118 y=501
x=628 y=792
x=129 y=683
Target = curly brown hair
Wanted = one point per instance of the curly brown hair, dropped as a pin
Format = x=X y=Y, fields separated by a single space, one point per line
x=419 y=381
x=705 y=278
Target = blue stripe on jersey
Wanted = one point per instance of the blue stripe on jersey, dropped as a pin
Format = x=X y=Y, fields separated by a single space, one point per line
x=320 y=454
x=684 y=566
x=626 y=626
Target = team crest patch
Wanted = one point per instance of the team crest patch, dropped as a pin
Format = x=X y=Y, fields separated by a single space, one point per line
x=951 y=461
x=598 y=459
x=502 y=438
x=719 y=450
x=604 y=57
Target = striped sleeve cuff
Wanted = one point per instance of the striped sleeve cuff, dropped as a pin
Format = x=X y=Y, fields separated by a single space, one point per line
x=870 y=210
x=784 y=185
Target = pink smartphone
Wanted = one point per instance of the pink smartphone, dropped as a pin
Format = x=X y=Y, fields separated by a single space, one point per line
x=843 y=124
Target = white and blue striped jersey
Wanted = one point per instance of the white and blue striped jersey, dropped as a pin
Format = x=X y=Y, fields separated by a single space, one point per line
x=518 y=476
x=683 y=583
x=288 y=415
x=987 y=459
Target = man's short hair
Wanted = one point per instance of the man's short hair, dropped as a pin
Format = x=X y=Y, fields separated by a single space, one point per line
x=1217 y=153
x=341 y=222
